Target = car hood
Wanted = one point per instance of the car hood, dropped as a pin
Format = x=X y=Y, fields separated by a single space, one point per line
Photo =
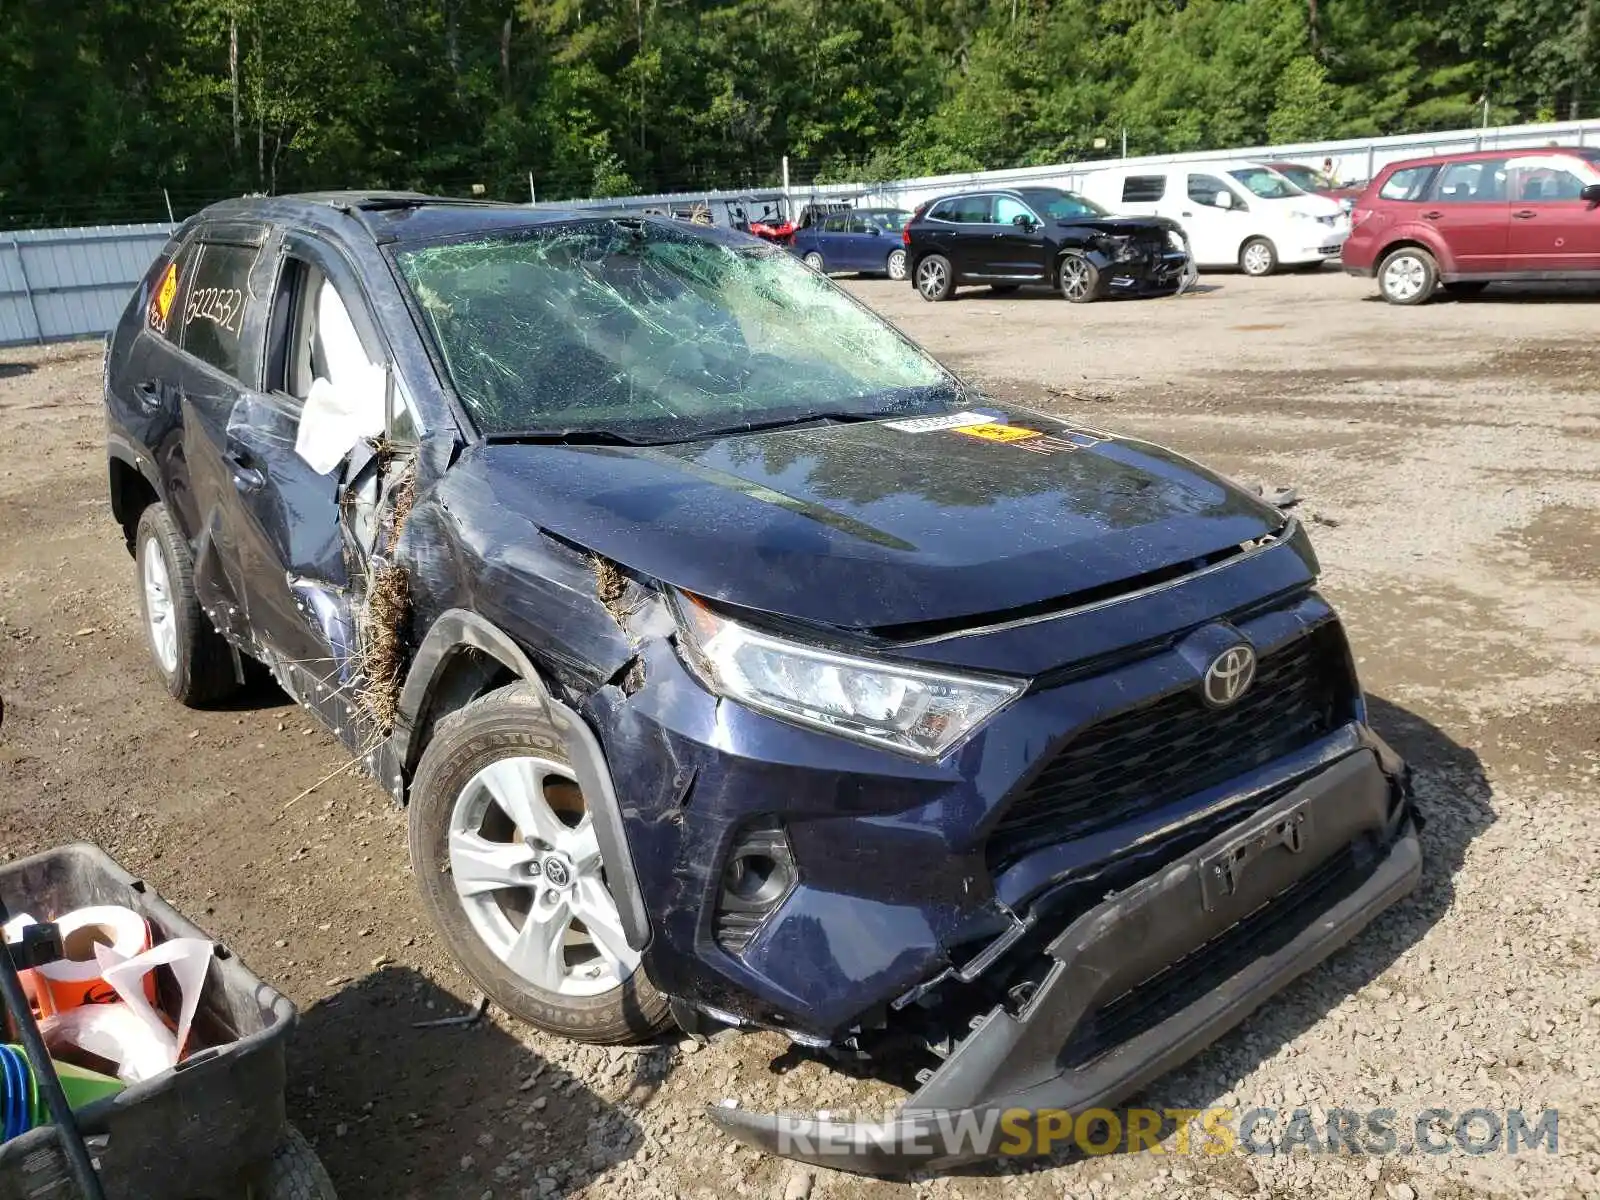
x=1121 y=226
x=870 y=524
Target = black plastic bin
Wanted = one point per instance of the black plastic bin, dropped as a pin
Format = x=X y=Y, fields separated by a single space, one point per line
x=197 y=1132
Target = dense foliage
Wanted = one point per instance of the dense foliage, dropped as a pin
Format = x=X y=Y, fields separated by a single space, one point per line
x=103 y=103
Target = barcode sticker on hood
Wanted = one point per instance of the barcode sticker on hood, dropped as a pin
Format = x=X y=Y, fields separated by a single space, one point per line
x=947 y=421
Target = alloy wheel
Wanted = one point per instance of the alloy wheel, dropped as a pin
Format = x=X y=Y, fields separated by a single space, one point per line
x=931 y=278
x=1075 y=280
x=814 y=261
x=897 y=264
x=161 y=615
x=526 y=867
x=1404 y=277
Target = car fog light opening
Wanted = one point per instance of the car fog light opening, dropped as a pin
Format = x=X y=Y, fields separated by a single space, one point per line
x=757 y=876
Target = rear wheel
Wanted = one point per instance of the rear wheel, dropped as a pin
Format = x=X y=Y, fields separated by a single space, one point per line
x=1258 y=257
x=507 y=858
x=195 y=662
x=1078 y=278
x=813 y=260
x=1408 y=276
x=896 y=264
x=935 y=279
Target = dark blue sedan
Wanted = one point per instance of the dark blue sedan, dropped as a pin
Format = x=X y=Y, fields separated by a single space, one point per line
x=861 y=239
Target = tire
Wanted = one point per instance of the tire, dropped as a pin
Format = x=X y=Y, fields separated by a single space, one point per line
x=1466 y=287
x=813 y=260
x=294 y=1173
x=1003 y=289
x=936 y=279
x=1408 y=276
x=1258 y=258
x=895 y=266
x=195 y=662
x=495 y=757
x=1078 y=278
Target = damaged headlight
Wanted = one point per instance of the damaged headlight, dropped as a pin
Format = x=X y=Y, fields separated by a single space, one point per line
x=911 y=710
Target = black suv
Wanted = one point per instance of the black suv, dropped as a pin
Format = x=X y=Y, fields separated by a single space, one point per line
x=1043 y=235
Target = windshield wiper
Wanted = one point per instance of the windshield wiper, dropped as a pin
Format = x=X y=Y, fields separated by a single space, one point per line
x=801 y=419
x=563 y=437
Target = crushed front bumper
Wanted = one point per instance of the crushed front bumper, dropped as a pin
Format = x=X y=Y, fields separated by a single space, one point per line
x=1148 y=978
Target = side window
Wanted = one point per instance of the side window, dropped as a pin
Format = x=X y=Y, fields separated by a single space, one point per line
x=1482 y=182
x=317 y=358
x=1141 y=189
x=963 y=210
x=860 y=225
x=1007 y=209
x=1411 y=183
x=165 y=313
x=1203 y=189
x=214 y=304
x=1535 y=180
x=833 y=225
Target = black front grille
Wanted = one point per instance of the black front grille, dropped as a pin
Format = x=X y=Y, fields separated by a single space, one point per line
x=1175 y=987
x=1145 y=757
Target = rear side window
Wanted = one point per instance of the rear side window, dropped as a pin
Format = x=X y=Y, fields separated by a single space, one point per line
x=1137 y=189
x=963 y=210
x=1473 y=182
x=1409 y=183
x=213 y=307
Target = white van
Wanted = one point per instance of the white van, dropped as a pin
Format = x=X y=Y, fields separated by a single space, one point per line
x=1236 y=214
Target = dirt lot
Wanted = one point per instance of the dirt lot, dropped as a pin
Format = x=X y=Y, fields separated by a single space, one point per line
x=1449 y=459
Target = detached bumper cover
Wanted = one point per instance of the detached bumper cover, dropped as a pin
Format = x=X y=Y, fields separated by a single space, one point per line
x=1147 y=979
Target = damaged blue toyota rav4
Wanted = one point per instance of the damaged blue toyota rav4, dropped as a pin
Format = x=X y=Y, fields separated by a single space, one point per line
x=739 y=665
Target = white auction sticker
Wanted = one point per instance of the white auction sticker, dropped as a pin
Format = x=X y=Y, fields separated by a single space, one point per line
x=947 y=421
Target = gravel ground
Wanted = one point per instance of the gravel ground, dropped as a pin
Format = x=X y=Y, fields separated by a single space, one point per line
x=1447 y=458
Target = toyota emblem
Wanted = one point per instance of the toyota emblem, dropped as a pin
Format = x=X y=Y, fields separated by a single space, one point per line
x=1229 y=676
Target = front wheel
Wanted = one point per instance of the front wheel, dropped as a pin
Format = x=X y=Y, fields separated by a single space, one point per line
x=507 y=858
x=1408 y=276
x=935 y=279
x=1258 y=257
x=896 y=265
x=1078 y=278
x=293 y=1173
x=813 y=260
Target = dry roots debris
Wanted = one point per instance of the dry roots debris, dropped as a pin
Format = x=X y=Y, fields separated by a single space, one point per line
x=387 y=616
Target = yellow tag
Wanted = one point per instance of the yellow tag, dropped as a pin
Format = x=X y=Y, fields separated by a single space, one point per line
x=998 y=433
x=167 y=291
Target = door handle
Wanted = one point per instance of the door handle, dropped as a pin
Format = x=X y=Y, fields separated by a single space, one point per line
x=1187 y=214
x=247 y=477
x=1432 y=215
x=1524 y=214
x=148 y=394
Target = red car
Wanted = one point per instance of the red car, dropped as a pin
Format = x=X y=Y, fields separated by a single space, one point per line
x=1465 y=221
x=1309 y=179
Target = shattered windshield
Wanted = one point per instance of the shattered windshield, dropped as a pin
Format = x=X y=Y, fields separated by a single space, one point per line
x=649 y=333
x=1062 y=206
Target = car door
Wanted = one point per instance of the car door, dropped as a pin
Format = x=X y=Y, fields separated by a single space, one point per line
x=1216 y=227
x=1552 y=227
x=304 y=436
x=218 y=334
x=978 y=246
x=1019 y=240
x=1470 y=210
x=865 y=244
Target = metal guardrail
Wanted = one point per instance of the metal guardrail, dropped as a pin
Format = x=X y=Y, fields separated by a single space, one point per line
x=61 y=284
x=1354 y=160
